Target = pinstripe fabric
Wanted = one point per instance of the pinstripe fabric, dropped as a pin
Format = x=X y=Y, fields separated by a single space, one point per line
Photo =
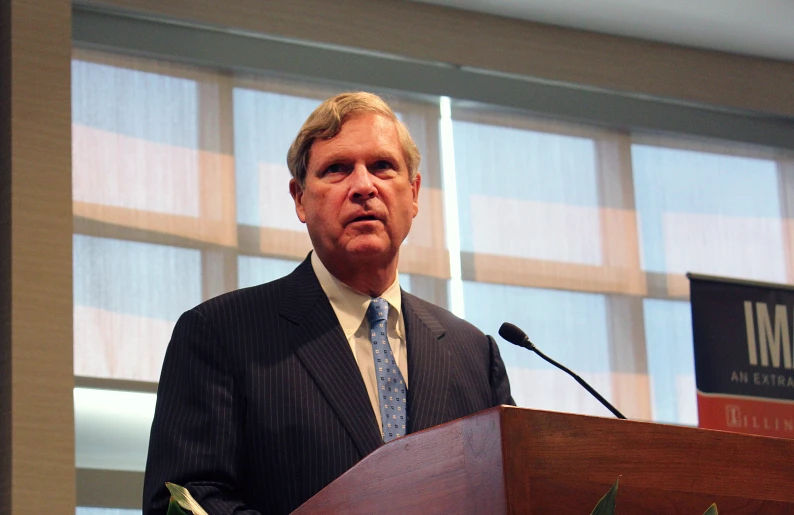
x=261 y=405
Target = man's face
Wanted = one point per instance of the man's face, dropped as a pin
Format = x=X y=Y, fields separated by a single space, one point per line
x=358 y=201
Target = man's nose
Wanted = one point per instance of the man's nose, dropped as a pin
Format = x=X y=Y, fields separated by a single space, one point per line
x=361 y=183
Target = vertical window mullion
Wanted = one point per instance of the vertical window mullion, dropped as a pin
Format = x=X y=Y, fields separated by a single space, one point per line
x=451 y=220
x=217 y=201
x=621 y=253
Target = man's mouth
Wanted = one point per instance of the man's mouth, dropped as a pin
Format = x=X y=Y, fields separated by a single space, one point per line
x=365 y=218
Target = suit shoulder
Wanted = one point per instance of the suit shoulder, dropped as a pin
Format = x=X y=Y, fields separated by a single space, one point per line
x=445 y=317
x=252 y=297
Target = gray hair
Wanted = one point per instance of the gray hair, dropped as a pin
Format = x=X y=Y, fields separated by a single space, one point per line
x=326 y=122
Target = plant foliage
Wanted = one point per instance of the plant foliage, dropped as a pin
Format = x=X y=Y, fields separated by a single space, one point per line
x=183 y=500
x=606 y=506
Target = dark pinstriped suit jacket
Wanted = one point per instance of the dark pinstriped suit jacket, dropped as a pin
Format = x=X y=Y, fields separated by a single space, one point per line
x=261 y=403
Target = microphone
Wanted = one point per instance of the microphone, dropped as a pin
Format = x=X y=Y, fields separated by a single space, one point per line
x=518 y=337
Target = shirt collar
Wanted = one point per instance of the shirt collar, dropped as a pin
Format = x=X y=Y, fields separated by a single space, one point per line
x=350 y=305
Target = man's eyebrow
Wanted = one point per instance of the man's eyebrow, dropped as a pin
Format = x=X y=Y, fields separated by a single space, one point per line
x=332 y=158
x=342 y=157
x=386 y=156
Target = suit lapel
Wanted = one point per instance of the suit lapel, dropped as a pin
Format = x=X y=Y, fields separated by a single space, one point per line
x=429 y=366
x=320 y=344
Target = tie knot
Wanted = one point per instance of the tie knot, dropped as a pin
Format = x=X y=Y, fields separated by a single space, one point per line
x=378 y=311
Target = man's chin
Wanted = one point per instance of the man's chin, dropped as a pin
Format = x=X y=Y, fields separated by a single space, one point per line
x=367 y=252
x=364 y=249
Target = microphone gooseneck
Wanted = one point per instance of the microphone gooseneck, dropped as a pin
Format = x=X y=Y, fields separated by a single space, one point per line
x=516 y=336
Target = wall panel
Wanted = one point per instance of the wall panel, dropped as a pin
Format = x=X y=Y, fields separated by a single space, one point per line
x=466 y=39
x=36 y=415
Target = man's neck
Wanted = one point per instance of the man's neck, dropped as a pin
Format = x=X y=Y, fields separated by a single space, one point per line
x=368 y=278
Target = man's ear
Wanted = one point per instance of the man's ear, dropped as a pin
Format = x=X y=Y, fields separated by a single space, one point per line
x=415 y=185
x=297 y=195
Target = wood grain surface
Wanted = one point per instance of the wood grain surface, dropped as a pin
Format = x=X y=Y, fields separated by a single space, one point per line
x=567 y=462
x=37 y=409
x=519 y=461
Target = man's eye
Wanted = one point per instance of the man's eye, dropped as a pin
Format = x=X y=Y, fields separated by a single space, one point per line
x=382 y=164
x=334 y=169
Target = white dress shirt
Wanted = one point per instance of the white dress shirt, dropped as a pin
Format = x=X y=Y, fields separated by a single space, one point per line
x=350 y=307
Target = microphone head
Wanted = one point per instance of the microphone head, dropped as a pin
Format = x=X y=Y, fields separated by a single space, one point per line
x=515 y=335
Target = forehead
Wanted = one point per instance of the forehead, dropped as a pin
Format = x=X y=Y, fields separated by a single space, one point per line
x=362 y=134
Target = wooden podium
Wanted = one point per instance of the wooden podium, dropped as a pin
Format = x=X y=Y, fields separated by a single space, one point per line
x=521 y=461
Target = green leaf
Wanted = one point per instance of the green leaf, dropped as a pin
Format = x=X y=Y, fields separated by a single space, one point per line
x=712 y=510
x=174 y=509
x=181 y=496
x=606 y=506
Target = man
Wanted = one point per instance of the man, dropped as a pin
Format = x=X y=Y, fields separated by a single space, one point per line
x=269 y=393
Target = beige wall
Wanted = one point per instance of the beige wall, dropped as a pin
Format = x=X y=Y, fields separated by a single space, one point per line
x=440 y=34
x=5 y=261
x=36 y=417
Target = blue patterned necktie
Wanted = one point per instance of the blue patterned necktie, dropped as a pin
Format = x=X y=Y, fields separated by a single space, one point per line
x=391 y=387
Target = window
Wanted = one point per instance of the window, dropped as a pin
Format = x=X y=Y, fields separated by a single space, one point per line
x=581 y=235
